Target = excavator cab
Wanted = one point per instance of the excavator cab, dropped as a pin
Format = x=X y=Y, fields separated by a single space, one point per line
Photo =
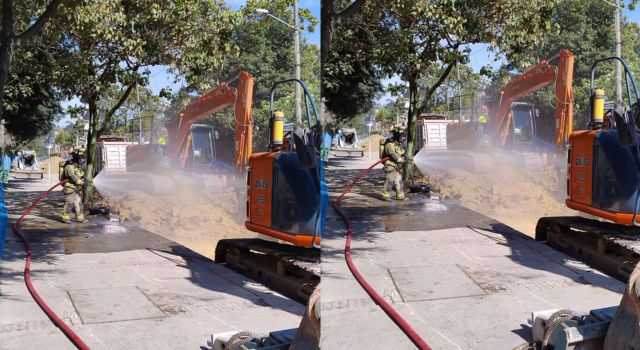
x=287 y=194
x=203 y=147
x=523 y=123
x=604 y=161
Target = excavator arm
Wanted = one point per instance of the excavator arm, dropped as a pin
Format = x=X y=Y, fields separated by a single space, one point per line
x=537 y=77
x=215 y=100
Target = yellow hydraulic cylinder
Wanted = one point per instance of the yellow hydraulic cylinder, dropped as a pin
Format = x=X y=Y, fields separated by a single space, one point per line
x=597 y=107
x=277 y=130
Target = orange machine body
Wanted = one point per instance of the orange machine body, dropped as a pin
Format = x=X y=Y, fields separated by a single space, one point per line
x=283 y=201
x=603 y=176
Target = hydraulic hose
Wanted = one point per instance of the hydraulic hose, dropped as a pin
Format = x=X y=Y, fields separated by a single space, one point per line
x=73 y=337
x=392 y=313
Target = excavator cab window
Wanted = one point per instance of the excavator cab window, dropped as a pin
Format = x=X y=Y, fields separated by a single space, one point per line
x=202 y=145
x=523 y=124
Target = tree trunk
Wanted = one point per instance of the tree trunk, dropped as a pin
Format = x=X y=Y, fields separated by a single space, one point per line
x=326 y=31
x=6 y=55
x=414 y=103
x=92 y=139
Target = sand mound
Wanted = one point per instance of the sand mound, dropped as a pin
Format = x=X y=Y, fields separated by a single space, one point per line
x=189 y=218
x=508 y=195
x=375 y=142
x=53 y=163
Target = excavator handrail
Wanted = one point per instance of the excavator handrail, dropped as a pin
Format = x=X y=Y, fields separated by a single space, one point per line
x=308 y=97
x=627 y=72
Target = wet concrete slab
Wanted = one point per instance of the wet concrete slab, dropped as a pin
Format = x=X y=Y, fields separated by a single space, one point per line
x=121 y=287
x=461 y=279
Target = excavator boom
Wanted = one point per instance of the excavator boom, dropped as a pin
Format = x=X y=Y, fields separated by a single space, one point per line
x=535 y=78
x=215 y=100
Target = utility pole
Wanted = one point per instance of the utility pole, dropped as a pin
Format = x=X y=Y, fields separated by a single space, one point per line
x=296 y=43
x=139 y=117
x=459 y=95
x=618 y=53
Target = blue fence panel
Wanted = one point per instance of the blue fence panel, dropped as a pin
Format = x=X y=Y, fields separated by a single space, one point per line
x=3 y=220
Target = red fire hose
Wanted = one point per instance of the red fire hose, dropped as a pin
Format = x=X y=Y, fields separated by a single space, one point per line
x=393 y=314
x=73 y=337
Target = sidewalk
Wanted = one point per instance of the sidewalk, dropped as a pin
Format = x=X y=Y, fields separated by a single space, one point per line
x=460 y=279
x=121 y=287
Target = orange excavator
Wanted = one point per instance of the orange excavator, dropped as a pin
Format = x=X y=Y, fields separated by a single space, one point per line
x=603 y=181
x=286 y=194
x=190 y=144
x=507 y=122
x=192 y=147
x=286 y=200
x=514 y=125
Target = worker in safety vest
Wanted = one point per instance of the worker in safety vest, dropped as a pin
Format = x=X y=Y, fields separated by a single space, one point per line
x=162 y=140
x=72 y=189
x=482 y=119
x=393 y=166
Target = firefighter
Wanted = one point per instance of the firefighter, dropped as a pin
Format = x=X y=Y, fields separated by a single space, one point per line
x=72 y=189
x=393 y=166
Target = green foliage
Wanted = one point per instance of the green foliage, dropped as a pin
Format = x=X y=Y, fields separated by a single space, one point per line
x=107 y=45
x=387 y=114
x=417 y=39
x=351 y=79
x=264 y=48
x=30 y=100
x=72 y=132
x=142 y=108
x=31 y=103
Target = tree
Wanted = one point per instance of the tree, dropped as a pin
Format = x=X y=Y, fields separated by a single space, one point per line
x=20 y=18
x=265 y=49
x=141 y=109
x=333 y=18
x=585 y=28
x=31 y=102
x=109 y=43
x=351 y=79
x=417 y=38
x=387 y=114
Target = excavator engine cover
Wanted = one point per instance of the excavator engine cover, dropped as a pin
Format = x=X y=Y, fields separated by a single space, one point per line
x=283 y=199
x=603 y=176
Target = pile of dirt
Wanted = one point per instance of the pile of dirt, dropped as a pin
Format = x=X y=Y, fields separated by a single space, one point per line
x=375 y=142
x=509 y=195
x=190 y=218
x=53 y=163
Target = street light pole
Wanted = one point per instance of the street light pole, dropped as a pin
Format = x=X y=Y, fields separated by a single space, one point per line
x=296 y=51
x=296 y=43
x=618 y=53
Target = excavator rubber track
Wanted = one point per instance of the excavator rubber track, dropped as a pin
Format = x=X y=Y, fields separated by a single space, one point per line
x=611 y=248
x=291 y=270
